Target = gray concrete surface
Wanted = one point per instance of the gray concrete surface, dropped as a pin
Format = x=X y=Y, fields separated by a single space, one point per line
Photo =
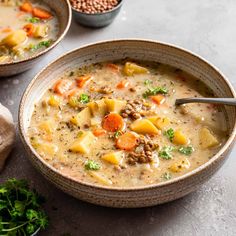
x=206 y=27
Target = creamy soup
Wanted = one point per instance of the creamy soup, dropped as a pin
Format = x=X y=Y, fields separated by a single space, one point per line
x=116 y=124
x=26 y=28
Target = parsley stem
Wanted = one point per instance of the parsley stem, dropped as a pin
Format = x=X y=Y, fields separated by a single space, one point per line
x=19 y=226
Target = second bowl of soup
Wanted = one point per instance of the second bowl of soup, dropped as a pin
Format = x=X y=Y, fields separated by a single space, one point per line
x=105 y=128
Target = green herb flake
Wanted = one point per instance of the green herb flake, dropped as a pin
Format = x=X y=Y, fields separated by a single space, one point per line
x=117 y=134
x=147 y=82
x=186 y=150
x=167 y=176
x=166 y=153
x=155 y=91
x=20 y=209
x=40 y=45
x=84 y=98
x=170 y=133
x=92 y=165
x=33 y=19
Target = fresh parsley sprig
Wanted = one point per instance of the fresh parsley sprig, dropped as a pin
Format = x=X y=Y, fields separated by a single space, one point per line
x=155 y=91
x=20 y=209
x=92 y=165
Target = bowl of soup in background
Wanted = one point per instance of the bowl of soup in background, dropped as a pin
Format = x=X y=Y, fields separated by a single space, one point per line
x=135 y=196
x=61 y=12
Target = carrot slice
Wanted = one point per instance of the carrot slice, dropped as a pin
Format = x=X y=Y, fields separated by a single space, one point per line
x=123 y=84
x=158 y=99
x=26 y=7
x=113 y=67
x=41 y=13
x=62 y=86
x=29 y=29
x=112 y=122
x=82 y=80
x=99 y=132
x=127 y=141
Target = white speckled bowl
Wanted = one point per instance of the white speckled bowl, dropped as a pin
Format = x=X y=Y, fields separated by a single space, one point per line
x=62 y=10
x=136 y=49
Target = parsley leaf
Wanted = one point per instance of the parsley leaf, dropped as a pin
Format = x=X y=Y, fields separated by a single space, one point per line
x=84 y=98
x=33 y=19
x=117 y=134
x=147 y=82
x=170 y=133
x=167 y=176
x=20 y=209
x=92 y=165
x=155 y=91
x=186 y=150
x=166 y=152
x=40 y=45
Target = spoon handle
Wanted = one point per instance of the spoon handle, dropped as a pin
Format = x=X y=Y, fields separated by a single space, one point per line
x=224 y=101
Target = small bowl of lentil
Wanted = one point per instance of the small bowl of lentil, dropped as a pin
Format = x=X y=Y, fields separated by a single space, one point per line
x=95 y=13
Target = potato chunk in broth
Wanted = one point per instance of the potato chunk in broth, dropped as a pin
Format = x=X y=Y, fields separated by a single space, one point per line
x=115 y=124
x=26 y=28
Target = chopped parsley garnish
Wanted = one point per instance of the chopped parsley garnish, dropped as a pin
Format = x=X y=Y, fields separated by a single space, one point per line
x=117 y=134
x=186 y=150
x=92 y=165
x=40 y=45
x=167 y=176
x=166 y=152
x=20 y=209
x=155 y=91
x=80 y=134
x=84 y=98
x=33 y=19
x=147 y=82
x=170 y=133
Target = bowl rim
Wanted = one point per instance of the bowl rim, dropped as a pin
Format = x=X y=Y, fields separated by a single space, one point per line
x=192 y=173
x=54 y=44
x=99 y=13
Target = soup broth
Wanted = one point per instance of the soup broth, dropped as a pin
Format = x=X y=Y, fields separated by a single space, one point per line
x=116 y=124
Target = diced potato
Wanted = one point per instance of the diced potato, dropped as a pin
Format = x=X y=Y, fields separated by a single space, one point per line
x=47 y=126
x=96 y=121
x=115 y=105
x=114 y=158
x=82 y=118
x=180 y=138
x=159 y=122
x=144 y=126
x=73 y=102
x=207 y=139
x=47 y=148
x=84 y=143
x=4 y=59
x=15 y=38
x=100 y=177
x=132 y=69
x=98 y=108
x=54 y=101
x=40 y=31
x=179 y=166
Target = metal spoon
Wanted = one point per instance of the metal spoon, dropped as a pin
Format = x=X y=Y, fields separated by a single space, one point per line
x=224 y=101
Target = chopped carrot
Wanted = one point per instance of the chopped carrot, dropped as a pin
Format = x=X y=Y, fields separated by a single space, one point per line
x=29 y=29
x=26 y=7
x=112 y=122
x=158 y=99
x=41 y=13
x=7 y=30
x=113 y=67
x=99 y=132
x=127 y=141
x=62 y=86
x=122 y=84
x=82 y=80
